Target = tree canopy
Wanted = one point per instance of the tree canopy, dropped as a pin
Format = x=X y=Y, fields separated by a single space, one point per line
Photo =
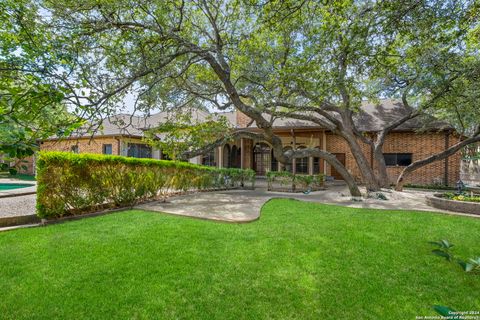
x=31 y=100
x=299 y=59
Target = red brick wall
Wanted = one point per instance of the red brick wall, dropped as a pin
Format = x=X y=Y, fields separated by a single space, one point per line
x=420 y=145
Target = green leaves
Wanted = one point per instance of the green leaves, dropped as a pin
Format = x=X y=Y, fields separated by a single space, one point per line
x=443 y=250
x=188 y=132
x=31 y=88
x=70 y=183
x=444 y=244
x=472 y=265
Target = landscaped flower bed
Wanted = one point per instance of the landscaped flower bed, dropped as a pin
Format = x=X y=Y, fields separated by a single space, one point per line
x=285 y=181
x=465 y=203
x=70 y=183
x=463 y=197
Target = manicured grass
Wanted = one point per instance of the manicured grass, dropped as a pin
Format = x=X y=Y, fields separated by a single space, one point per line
x=300 y=260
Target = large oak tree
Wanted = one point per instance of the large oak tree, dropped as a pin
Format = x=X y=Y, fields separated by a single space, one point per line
x=267 y=59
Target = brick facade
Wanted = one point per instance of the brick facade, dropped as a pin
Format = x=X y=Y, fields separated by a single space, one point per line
x=420 y=145
x=242 y=120
x=85 y=145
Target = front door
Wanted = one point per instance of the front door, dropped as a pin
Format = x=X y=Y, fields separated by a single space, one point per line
x=341 y=158
x=261 y=158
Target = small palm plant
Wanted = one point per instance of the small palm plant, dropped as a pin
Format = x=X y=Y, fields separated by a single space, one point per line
x=443 y=249
x=472 y=265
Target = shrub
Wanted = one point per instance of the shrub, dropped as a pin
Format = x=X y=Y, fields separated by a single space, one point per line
x=69 y=183
x=285 y=178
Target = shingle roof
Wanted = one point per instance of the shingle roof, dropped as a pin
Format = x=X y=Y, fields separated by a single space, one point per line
x=372 y=117
x=375 y=117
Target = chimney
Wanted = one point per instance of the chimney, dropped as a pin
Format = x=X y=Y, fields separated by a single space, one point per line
x=242 y=120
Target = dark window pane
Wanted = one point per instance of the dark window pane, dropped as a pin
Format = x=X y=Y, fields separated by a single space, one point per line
x=301 y=165
x=316 y=165
x=107 y=149
x=398 y=159
x=390 y=159
x=209 y=159
x=138 y=150
x=274 y=165
x=404 y=159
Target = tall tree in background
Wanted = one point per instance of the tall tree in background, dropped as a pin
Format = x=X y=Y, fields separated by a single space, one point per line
x=31 y=99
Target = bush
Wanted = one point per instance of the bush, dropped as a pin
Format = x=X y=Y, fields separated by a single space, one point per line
x=69 y=183
x=294 y=181
x=429 y=186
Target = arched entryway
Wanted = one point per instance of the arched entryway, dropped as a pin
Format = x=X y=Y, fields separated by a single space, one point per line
x=262 y=158
x=235 y=155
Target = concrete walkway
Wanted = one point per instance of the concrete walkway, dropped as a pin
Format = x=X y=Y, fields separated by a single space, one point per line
x=229 y=206
x=17 y=202
x=245 y=205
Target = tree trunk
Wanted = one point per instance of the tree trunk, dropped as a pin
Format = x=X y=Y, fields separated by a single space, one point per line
x=436 y=157
x=366 y=171
x=381 y=167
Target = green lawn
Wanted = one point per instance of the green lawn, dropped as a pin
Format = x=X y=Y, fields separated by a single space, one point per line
x=300 y=260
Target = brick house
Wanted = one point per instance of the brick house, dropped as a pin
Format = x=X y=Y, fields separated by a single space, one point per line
x=122 y=135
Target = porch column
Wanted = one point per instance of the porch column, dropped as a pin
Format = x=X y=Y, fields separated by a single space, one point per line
x=242 y=152
x=220 y=157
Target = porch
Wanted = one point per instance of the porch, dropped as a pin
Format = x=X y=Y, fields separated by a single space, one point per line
x=258 y=155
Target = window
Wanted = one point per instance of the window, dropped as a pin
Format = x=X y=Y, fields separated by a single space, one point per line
x=316 y=165
x=301 y=164
x=398 y=159
x=138 y=150
x=274 y=165
x=209 y=159
x=74 y=148
x=107 y=149
x=261 y=158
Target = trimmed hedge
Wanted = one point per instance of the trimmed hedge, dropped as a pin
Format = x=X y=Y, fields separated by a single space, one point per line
x=69 y=183
x=295 y=182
